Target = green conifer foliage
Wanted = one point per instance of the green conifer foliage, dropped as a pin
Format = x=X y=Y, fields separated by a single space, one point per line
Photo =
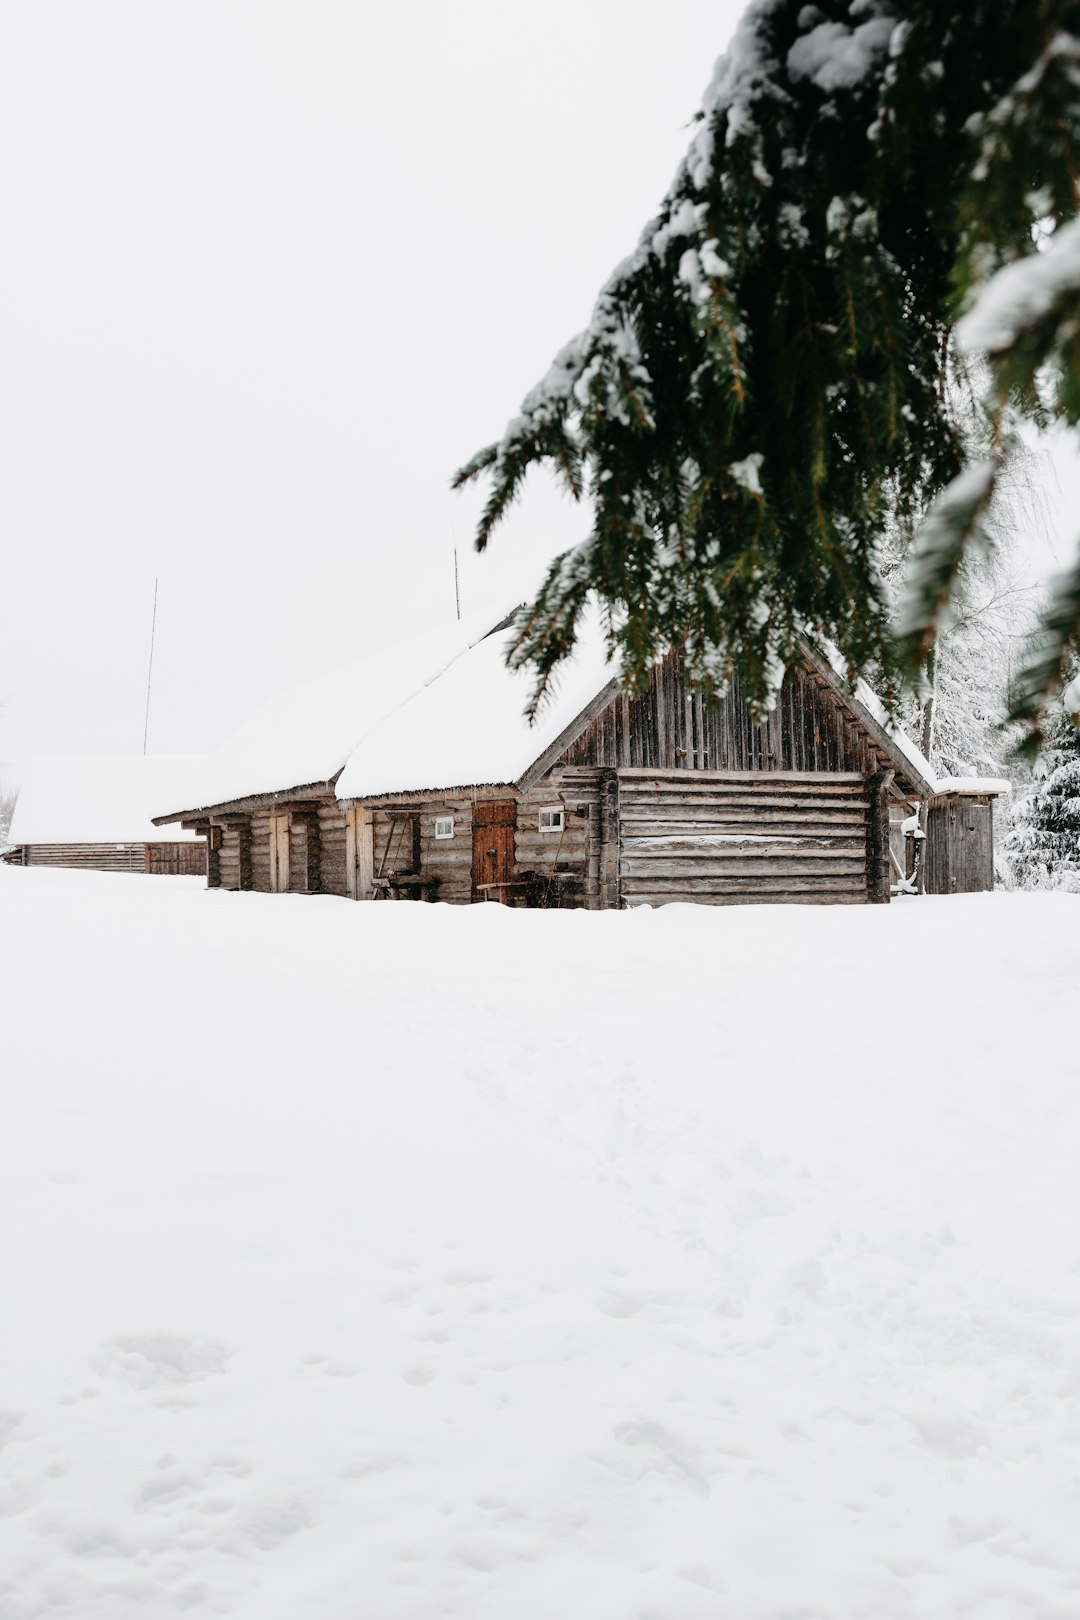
x=768 y=374
x=1043 y=845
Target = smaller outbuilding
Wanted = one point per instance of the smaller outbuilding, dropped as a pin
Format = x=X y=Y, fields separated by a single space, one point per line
x=959 y=848
x=94 y=813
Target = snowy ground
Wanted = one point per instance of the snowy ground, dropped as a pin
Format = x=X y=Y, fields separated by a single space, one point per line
x=400 y=1263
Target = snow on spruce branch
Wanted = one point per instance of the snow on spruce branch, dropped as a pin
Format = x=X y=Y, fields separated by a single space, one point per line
x=1023 y=295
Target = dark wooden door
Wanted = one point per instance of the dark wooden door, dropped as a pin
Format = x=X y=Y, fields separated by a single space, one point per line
x=494 y=821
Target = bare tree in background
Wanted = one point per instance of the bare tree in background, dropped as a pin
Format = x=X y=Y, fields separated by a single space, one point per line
x=7 y=807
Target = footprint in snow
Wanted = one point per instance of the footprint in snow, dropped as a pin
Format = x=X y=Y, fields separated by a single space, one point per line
x=162 y=1360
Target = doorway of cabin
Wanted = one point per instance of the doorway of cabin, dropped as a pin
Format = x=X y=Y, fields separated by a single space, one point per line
x=494 y=824
x=279 y=854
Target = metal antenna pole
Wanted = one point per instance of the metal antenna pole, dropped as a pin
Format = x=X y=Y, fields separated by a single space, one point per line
x=150 y=668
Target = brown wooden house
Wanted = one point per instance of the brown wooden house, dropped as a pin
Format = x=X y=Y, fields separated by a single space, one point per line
x=608 y=801
x=94 y=813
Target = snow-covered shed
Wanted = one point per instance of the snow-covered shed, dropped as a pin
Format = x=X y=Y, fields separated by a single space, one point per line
x=959 y=852
x=95 y=812
x=413 y=774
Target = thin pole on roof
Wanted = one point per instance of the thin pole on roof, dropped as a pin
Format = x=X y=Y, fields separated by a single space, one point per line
x=150 y=668
x=457 y=587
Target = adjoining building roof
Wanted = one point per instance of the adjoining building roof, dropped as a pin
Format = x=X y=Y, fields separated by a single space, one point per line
x=469 y=725
x=97 y=799
x=304 y=736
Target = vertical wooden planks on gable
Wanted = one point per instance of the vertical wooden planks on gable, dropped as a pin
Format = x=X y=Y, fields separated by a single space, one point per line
x=609 y=842
x=660 y=693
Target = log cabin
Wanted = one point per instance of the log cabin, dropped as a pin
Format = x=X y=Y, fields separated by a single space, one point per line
x=430 y=785
x=94 y=814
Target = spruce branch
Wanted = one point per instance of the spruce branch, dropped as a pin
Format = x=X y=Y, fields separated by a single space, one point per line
x=795 y=298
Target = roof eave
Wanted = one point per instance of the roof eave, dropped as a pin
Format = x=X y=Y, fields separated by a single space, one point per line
x=905 y=768
x=251 y=801
x=568 y=736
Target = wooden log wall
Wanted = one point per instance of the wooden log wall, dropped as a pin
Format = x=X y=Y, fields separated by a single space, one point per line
x=447 y=859
x=564 y=863
x=332 y=874
x=958 y=855
x=260 y=851
x=180 y=859
x=311 y=871
x=731 y=838
x=177 y=860
x=89 y=857
x=235 y=855
x=671 y=727
x=304 y=861
x=403 y=839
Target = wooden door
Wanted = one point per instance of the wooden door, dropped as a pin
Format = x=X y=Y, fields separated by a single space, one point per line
x=279 y=854
x=359 y=854
x=494 y=823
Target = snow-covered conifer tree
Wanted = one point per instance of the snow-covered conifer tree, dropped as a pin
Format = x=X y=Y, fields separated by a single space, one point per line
x=1043 y=845
x=766 y=377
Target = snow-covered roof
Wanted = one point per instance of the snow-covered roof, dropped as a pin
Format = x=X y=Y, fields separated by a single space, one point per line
x=99 y=799
x=306 y=734
x=469 y=725
x=868 y=698
x=434 y=712
x=991 y=785
x=901 y=741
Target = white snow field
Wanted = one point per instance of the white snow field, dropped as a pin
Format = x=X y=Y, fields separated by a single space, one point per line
x=396 y=1262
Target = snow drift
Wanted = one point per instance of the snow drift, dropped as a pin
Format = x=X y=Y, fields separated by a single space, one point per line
x=411 y=1262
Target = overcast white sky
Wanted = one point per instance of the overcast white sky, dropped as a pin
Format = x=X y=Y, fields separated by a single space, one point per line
x=271 y=271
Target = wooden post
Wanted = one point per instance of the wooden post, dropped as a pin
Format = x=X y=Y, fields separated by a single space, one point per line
x=213 y=860
x=304 y=852
x=243 y=837
x=280 y=862
x=359 y=853
x=609 y=841
x=878 y=885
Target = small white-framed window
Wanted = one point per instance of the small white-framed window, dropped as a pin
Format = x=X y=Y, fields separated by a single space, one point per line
x=551 y=818
x=444 y=826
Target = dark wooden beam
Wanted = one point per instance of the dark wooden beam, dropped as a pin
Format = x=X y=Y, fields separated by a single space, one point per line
x=878 y=878
x=406 y=803
x=609 y=841
x=568 y=736
x=315 y=792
